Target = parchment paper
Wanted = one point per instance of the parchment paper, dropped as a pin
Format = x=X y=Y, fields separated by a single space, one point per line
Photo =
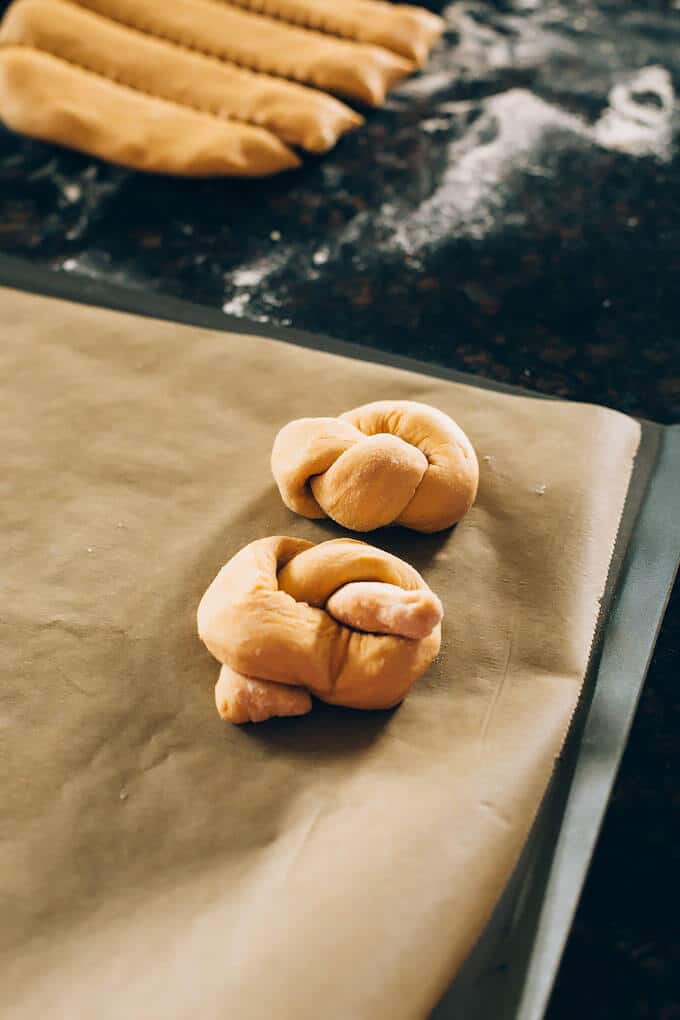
x=157 y=863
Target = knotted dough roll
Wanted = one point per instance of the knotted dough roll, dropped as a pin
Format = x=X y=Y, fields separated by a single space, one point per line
x=349 y=623
x=388 y=462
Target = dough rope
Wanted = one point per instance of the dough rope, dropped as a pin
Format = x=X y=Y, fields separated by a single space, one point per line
x=388 y=462
x=41 y=96
x=407 y=30
x=349 y=623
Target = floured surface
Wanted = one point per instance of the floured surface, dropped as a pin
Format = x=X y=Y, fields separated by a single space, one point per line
x=517 y=194
x=168 y=863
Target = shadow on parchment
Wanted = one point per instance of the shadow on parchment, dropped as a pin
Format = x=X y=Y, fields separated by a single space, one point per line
x=267 y=515
x=414 y=547
x=327 y=733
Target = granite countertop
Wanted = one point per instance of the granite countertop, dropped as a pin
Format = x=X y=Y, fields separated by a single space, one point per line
x=514 y=211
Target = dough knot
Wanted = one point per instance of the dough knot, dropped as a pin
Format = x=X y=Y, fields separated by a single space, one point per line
x=388 y=462
x=343 y=620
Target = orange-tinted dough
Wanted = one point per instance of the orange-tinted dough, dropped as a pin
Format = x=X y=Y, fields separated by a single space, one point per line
x=405 y=29
x=180 y=87
x=267 y=615
x=294 y=113
x=45 y=97
x=241 y=699
x=264 y=44
x=389 y=462
x=379 y=608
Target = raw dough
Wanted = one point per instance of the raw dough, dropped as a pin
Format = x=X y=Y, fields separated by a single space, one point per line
x=402 y=28
x=353 y=624
x=46 y=97
x=297 y=115
x=388 y=462
x=202 y=87
x=264 y=44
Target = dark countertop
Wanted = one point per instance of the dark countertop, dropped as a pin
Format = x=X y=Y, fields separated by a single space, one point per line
x=514 y=212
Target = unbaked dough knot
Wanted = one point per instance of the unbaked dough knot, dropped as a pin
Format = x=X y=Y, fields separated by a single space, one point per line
x=343 y=620
x=388 y=462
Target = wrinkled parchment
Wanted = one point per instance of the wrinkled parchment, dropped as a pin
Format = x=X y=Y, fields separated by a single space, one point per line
x=155 y=862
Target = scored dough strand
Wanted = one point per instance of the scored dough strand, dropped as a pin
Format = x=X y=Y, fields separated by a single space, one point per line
x=252 y=41
x=407 y=30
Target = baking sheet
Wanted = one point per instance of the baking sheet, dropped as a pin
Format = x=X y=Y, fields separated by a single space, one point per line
x=511 y=971
x=533 y=403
